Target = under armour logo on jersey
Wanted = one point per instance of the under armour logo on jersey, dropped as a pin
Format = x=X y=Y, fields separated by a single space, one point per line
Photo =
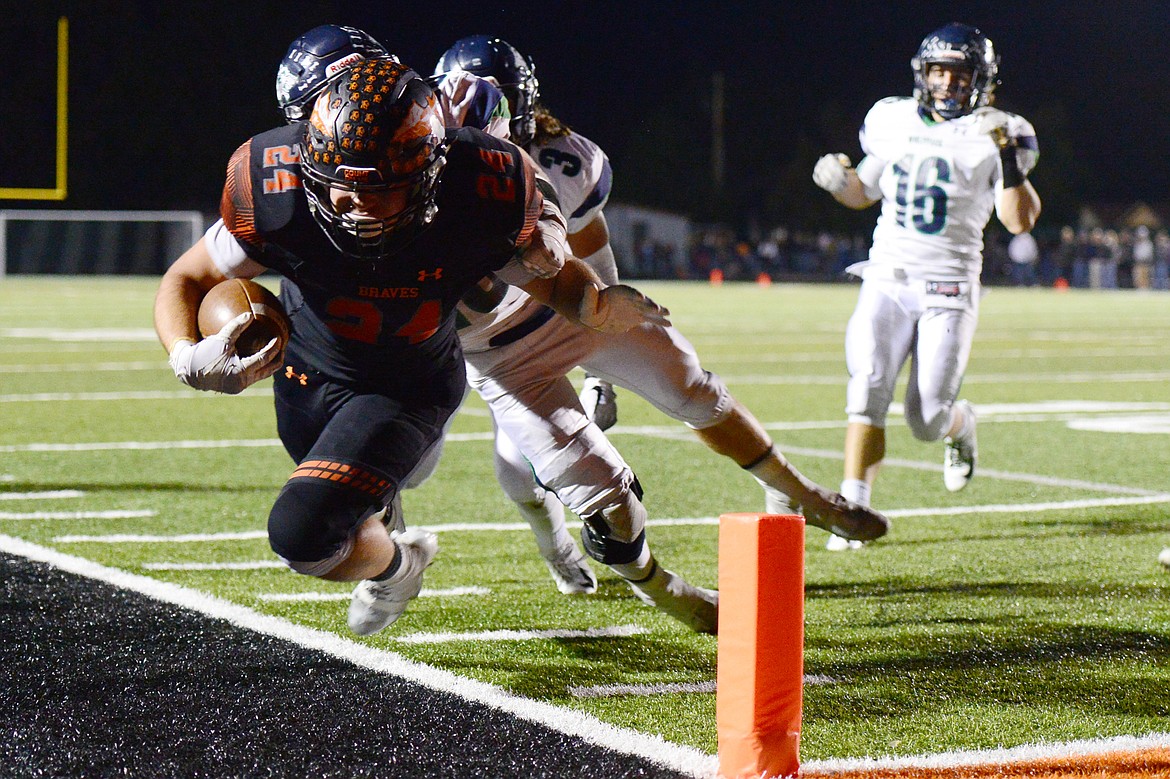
x=436 y=274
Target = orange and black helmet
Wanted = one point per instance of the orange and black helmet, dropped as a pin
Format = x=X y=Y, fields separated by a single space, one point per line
x=378 y=127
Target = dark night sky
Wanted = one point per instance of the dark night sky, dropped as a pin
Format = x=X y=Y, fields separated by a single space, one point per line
x=161 y=93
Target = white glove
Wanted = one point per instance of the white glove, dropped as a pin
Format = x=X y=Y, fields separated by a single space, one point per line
x=545 y=255
x=619 y=308
x=213 y=364
x=831 y=172
x=993 y=122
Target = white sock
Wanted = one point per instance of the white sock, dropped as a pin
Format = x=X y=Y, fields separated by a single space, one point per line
x=856 y=490
x=965 y=428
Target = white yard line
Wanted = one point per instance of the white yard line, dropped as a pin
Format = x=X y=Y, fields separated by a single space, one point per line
x=113 y=514
x=92 y=367
x=667 y=688
x=58 y=397
x=686 y=760
x=617 y=631
x=319 y=597
x=1020 y=754
x=473 y=527
x=48 y=495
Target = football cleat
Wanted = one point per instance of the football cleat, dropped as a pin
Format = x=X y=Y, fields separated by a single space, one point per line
x=1164 y=557
x=961 y=454
x=600 y=402
x=695 y=607
x=838 y=544
x=571 y=571
x=375 y=605
x=852 y=521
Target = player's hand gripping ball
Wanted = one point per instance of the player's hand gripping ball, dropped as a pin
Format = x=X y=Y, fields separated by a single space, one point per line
x=228 y=299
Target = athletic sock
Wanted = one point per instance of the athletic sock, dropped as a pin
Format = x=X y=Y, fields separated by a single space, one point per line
x=856 y=490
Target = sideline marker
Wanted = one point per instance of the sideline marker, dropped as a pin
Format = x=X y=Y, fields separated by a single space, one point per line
x=761 y=645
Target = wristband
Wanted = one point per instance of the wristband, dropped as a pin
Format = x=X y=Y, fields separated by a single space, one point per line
x=1012 y=176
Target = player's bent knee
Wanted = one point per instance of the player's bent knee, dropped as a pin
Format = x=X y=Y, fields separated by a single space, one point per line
x=617 y=533
x=928 y=429
x=706 y=404
x=311 y=526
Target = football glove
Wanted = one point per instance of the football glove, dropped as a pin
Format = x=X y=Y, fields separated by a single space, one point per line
x=214 y=365
x=832 y=172
x=993 y=122
x=619 y=308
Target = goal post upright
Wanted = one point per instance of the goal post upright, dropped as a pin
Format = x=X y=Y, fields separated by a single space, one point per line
x=61 y=167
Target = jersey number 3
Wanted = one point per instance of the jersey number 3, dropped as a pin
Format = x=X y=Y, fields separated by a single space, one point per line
x=921 y=202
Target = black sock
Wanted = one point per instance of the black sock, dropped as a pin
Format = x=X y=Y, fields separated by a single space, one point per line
x=393 y=568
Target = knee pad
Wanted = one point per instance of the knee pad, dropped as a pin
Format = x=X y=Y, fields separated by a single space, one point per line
x=311 y=524
x=585 y=472
x=617 y=533
x=707 y=403
x=927 y=424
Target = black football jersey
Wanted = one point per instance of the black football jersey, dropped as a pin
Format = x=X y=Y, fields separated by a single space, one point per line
x=392 y=319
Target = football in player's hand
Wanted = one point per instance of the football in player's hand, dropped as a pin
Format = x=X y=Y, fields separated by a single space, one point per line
x=227 y=300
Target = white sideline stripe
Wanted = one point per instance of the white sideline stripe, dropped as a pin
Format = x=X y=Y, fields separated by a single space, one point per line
x=1003 y=756
x=668 y=688
x=50 y=495
x=617 y=631
x=316 y=597
x=78 y=514
x=574 y=723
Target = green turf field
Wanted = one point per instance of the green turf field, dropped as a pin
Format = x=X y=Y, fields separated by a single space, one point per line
x=1030 y=607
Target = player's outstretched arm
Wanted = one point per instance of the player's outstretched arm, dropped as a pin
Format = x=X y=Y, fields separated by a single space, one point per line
x=835 y=174
x=580 y=296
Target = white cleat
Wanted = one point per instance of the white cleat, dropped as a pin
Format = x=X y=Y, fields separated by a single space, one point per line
x=599 y=402
x=571 y=571
x=695 y=607
x=961 y=455
x=1164 y=557
x=838 y=544
x=375 y=605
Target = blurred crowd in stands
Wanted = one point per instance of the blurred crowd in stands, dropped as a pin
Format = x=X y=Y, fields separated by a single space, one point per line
x=1096 y=258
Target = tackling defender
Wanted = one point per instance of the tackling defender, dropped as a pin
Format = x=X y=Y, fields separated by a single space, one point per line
x=518 y=355
x=939 y=162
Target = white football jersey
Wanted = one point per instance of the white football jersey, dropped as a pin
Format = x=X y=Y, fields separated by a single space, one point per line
x=580 y=174
x=938 y=183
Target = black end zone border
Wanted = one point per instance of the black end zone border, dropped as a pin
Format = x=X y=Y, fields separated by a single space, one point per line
x=96 y=681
